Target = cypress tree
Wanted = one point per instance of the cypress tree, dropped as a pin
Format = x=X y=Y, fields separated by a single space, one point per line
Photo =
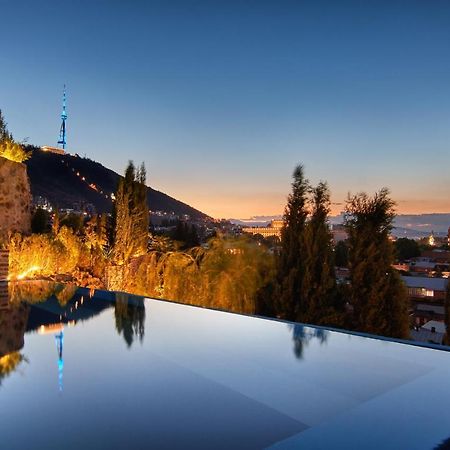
x=130 y=215
x=140 y=211
x=101 y=230
x=291 y=261
x=122 y=249
x=319 y=285
x=377 y=294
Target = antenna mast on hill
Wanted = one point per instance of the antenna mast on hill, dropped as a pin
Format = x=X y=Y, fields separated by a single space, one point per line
x=62 y=131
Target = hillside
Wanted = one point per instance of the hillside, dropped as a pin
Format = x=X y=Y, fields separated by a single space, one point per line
x=66 y=179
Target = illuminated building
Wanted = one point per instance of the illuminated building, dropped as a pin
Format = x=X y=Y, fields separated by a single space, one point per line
x=431 y=240
x=274 y=229
x=57 y=150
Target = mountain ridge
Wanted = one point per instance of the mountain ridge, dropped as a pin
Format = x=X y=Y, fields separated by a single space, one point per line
x=68 y=179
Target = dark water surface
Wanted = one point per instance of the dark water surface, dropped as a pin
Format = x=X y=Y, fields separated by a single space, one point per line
x=112 y=371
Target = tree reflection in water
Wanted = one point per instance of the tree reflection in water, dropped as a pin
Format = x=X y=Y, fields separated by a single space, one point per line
x=129 y=312
x=302 y=335
x=9 y=363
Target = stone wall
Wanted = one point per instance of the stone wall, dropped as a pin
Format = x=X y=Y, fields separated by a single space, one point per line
x=15 y=198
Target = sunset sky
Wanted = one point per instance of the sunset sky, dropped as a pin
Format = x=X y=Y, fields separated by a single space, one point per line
x=222 y=99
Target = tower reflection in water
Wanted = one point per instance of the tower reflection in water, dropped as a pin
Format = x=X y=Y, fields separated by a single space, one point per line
x=58 y=329
x=50 y=308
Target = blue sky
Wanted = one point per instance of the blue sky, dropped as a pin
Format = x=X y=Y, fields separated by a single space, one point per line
x=222 y=99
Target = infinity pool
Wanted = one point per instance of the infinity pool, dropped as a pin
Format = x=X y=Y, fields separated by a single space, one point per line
x=85 y=370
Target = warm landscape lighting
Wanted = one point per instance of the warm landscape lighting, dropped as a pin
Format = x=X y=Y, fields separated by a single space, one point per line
x=26 y=273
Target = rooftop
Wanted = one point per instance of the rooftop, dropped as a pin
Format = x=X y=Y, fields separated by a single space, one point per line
x=128 y=372
x=435 y=284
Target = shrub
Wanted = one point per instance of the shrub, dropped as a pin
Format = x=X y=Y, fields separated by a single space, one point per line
x=13 y=151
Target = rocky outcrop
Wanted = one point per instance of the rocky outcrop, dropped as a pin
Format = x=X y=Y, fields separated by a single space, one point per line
x=15 y=198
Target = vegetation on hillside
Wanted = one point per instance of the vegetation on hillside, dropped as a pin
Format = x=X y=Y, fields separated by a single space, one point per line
x=10 y=149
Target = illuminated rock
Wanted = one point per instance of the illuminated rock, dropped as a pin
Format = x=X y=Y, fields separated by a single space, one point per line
x=15 y=198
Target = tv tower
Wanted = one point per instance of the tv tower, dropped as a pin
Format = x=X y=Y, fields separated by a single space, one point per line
x=62 y=131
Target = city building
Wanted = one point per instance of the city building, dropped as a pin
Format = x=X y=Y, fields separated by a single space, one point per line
x=432 y=332
x=431 y=289
x=427 y=296
x=273 y=229
x=424 y=312
x=42 y=203
x=431 y=240
x=422 y=266
x=438 y=255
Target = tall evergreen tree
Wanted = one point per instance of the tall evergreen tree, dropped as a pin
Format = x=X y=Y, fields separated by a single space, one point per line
x=130 y=216
x=141 y=220
x=319 y=291
x=377 y=294
x=291 y=262
x=122 y=224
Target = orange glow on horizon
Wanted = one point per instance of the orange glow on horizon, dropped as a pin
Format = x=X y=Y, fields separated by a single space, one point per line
x=235 y=207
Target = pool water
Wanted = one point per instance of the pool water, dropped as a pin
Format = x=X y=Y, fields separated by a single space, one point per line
x=100 y=370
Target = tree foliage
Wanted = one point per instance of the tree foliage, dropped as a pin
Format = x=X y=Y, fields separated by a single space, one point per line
x=186 y=235
x=227 y=275
x=131 y=216
x=44 y=254
x=406 y=249
x=289 y=301
x=319 y=291
x=13 y=151
x=40 y=221
x=377 y=295
x=73 y=221
x=10 y=149
x=305 y=288
x=130 y=318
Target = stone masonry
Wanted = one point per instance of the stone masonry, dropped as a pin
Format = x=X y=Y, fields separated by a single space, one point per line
x=15 y=198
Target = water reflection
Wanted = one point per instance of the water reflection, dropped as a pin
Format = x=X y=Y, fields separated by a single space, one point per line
x=47 y=307
x=13 y=322
x=303 y=335
x=129 y=312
